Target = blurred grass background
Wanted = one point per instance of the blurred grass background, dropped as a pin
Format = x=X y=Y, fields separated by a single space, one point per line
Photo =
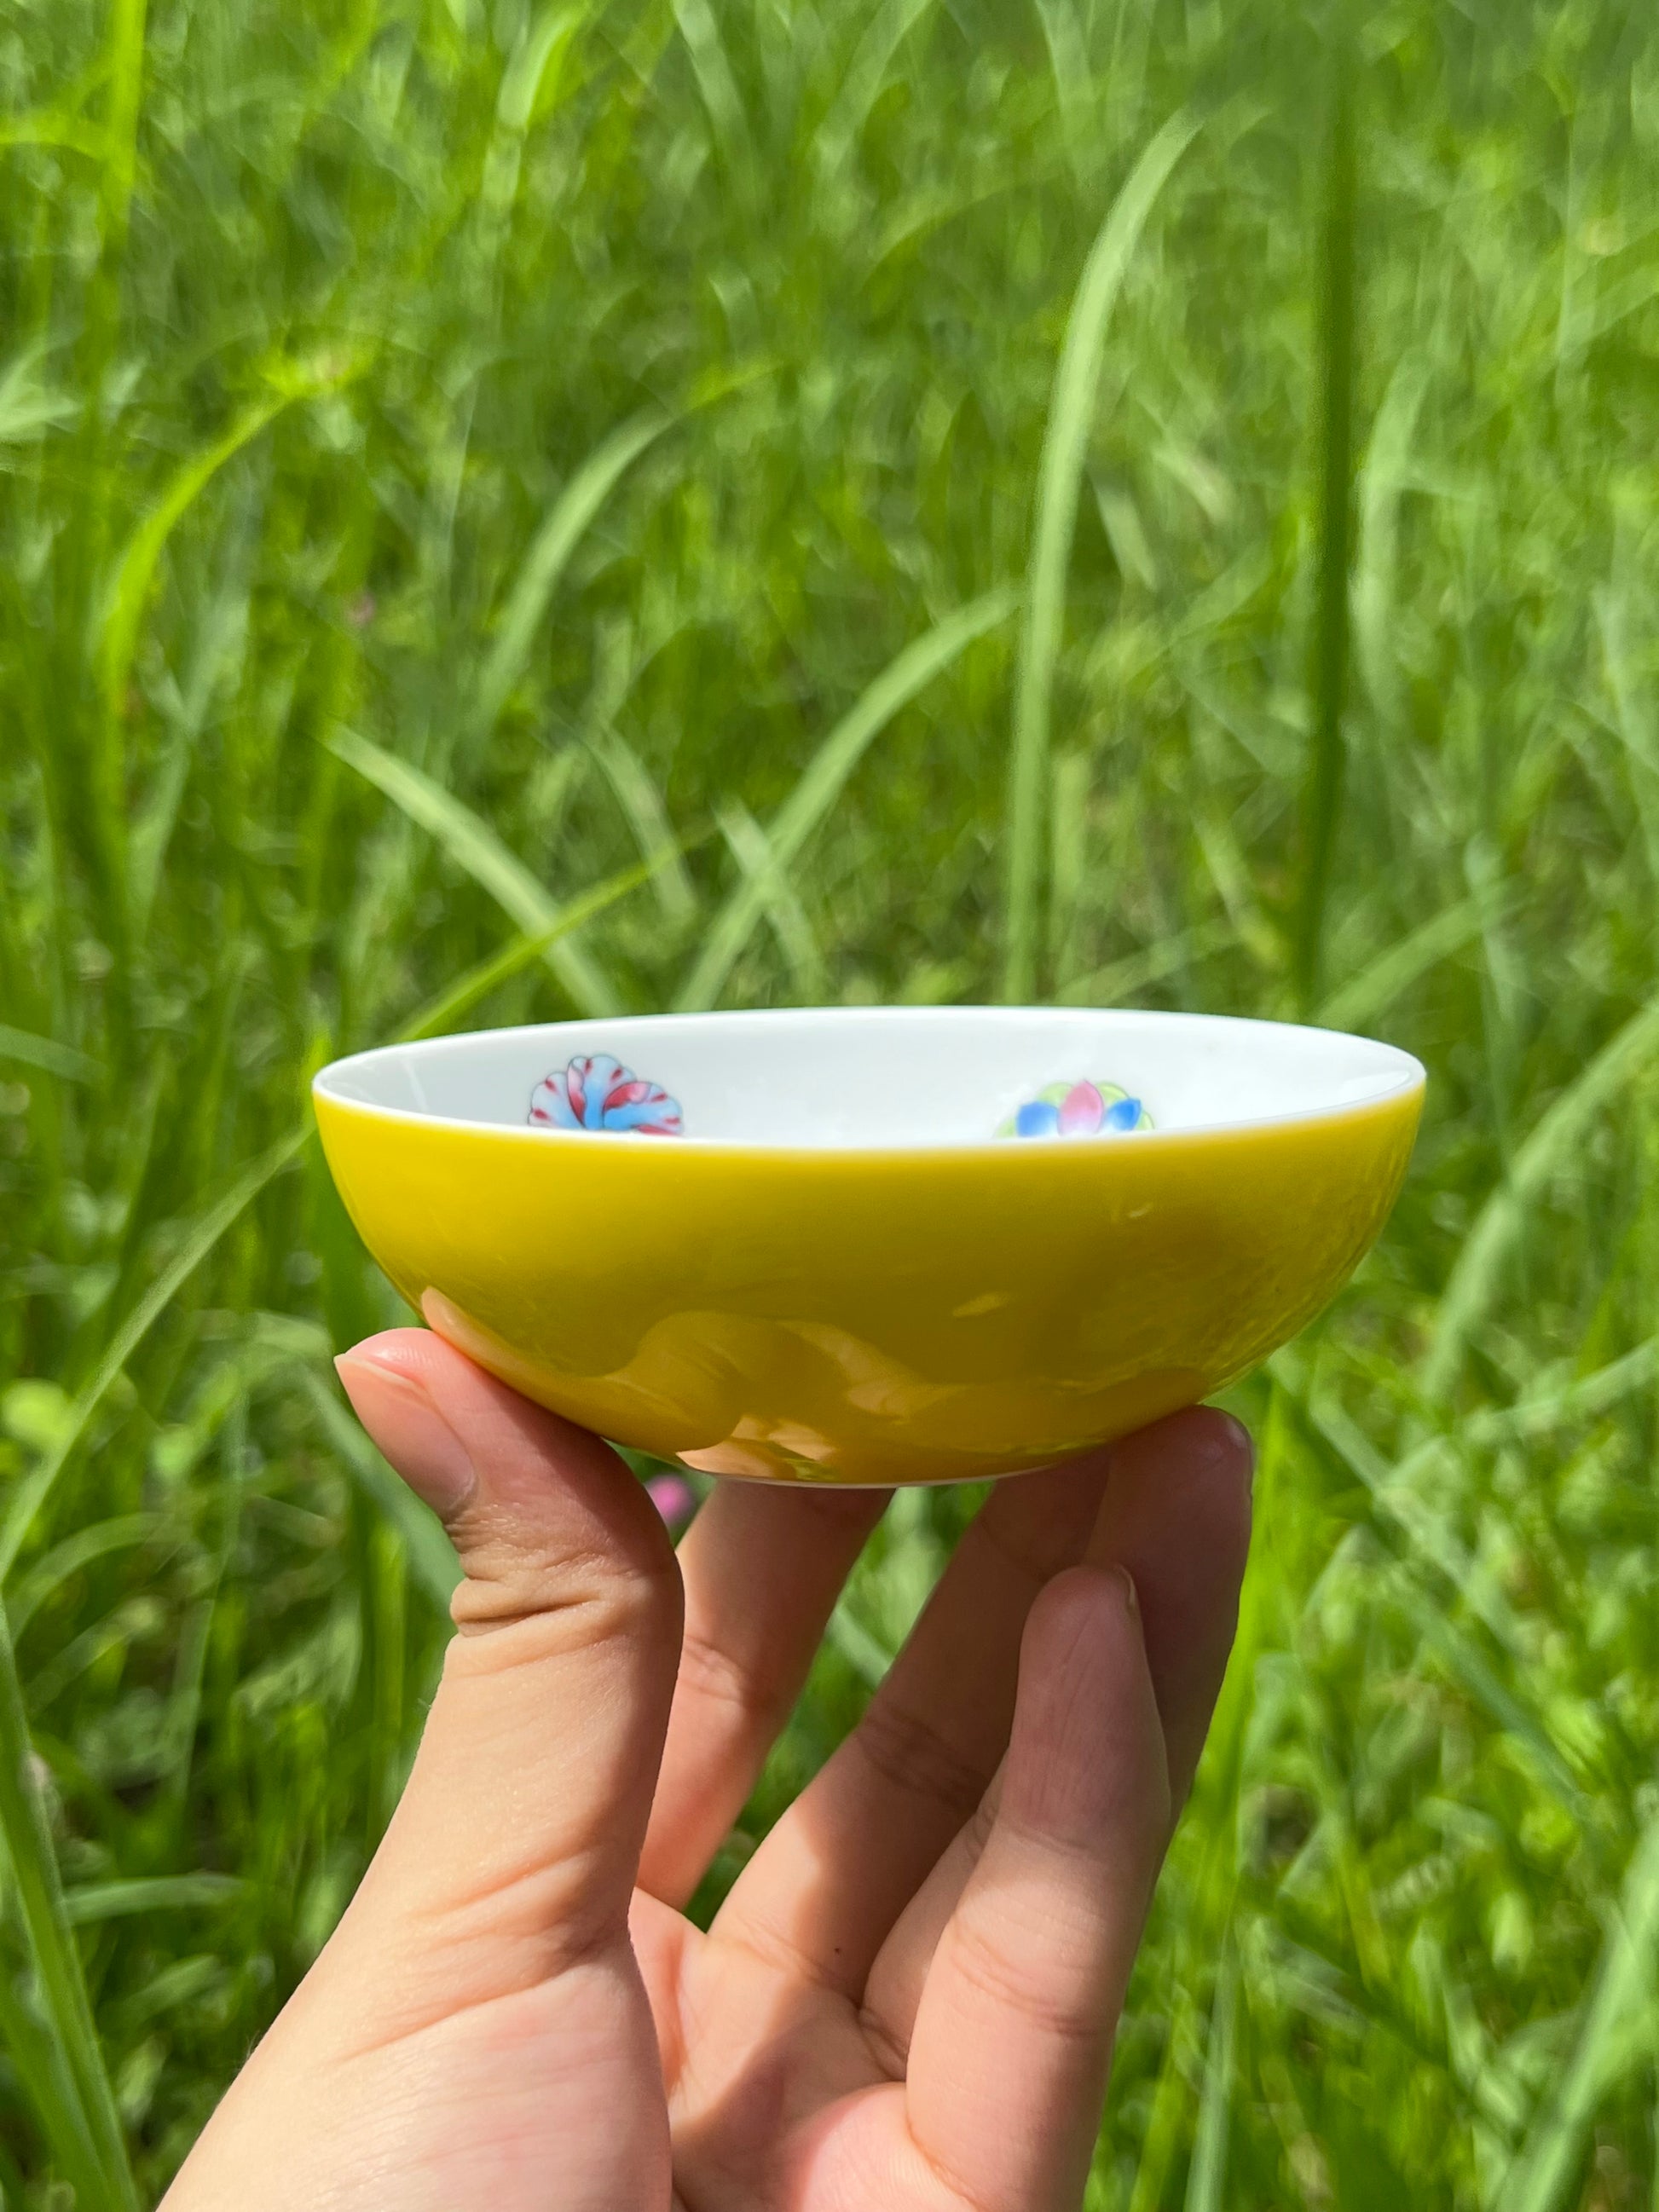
x=1142 y=501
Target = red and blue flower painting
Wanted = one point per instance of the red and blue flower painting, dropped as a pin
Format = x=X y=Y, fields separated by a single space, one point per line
x=595 y=1091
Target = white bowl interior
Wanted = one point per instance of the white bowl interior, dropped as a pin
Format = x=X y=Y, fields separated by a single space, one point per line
x=884 y=1077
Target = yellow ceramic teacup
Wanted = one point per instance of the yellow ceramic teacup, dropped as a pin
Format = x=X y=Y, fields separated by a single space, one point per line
x=858 y=1246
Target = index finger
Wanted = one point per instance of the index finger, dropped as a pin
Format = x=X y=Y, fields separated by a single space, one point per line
x=762 y=1563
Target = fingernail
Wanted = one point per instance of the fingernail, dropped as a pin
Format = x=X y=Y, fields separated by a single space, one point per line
x=1131 y=1596
x=400 y=1415
x=1245 y=1442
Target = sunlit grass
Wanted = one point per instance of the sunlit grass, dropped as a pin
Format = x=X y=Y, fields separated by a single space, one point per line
x=506 y=509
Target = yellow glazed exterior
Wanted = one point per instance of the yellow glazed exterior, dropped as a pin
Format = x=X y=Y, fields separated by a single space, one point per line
x=866 y=1316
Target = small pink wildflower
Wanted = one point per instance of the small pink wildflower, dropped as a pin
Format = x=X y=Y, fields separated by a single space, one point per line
x=673 y=1498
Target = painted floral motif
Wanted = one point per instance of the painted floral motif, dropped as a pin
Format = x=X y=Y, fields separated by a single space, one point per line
x=597 y=1092
x=1078 y=1109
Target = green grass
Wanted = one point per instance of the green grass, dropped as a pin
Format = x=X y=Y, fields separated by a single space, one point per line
x=505 y=509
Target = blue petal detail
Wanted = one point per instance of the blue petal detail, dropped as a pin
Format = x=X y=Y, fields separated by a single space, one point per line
x=643 y=1109
x=1123 y=1113
x=1037 y=1119
x=600 y=1072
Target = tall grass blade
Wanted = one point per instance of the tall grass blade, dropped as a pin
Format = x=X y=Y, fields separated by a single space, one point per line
x=752 y=850
x=431 y=1556
x=1107 y=986
x=561 y=532
x=1632 y=709
x=1065 y=446
x=461 y=997
x=220 y=648
x=47 y=1055
x=1207 y=2177
x=475 y=849
x=539 y=52
x=1412 y=1533
x=1388 y=452
x=75 y=1552
x=1615 y=2030
x=861 y=1647
x=642 y=803
x=116 y=646
x=1068 y=851
x=1474 y=1281
x=1068 y=62
x=123 y=62
x=1395 y=969
x=38 y=2061
x=135 y=571
x=92 y=1902
x=32 y=1493
x=913 y=669
x=1211 y=1927
x=1585 y=1398
x=1322 y=790
x=29 y=407
x=33 y=1861
x=1429 y=1614
x=713 y=71
x=867 y=73
x=64 y=133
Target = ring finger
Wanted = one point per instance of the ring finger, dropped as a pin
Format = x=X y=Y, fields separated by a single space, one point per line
x=762 y=1566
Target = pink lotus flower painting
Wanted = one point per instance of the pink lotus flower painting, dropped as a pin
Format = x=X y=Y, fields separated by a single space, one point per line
x=1078 y=1109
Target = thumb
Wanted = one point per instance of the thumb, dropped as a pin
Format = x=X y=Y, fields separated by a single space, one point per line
x=517 y=1841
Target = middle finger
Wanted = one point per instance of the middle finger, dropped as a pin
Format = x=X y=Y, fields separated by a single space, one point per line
x=835 y=1873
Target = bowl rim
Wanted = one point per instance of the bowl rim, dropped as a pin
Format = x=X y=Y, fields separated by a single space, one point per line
x=1412 y=1080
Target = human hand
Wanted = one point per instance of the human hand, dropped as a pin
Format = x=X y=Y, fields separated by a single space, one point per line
x=907 y=2002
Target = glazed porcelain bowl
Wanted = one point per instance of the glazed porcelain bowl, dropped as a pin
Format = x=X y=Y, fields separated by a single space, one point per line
x=872 y=1247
